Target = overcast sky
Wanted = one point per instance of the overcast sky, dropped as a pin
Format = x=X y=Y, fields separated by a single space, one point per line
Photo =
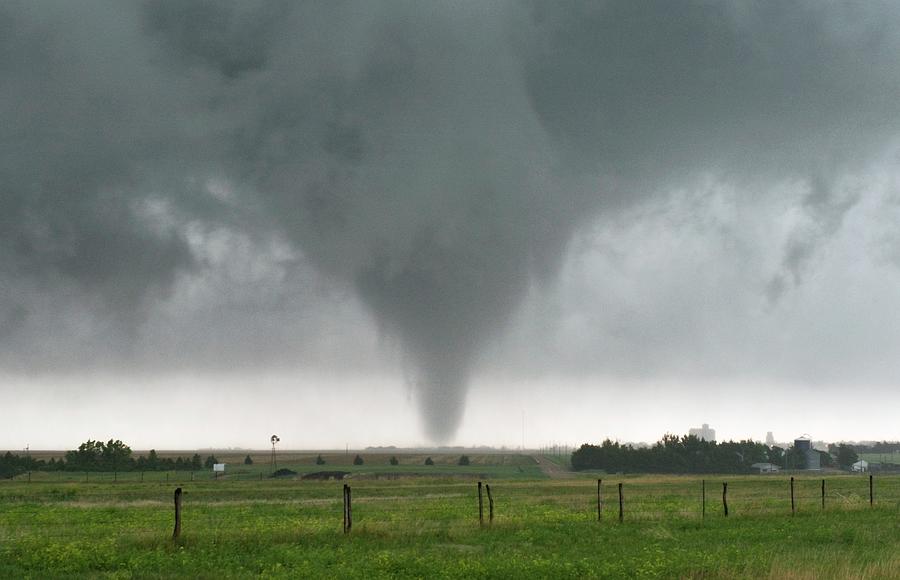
x=404 y=223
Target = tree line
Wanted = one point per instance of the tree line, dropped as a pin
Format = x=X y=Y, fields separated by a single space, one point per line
x=113 y=455
x=690 y=454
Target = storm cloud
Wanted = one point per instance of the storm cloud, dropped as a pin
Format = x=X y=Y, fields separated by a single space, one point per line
x=253 y=184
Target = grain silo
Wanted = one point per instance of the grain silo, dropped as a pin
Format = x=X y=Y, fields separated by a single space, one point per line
x=803 y=447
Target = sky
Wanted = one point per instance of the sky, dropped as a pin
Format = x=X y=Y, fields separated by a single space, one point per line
x=462 y=223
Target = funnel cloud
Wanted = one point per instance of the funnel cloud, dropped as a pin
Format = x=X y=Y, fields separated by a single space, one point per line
x=209 y=185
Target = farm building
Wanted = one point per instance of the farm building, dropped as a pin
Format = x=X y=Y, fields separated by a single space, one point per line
x=804 y=446
x=703 y=433
x=766 y=467
x=860 y=466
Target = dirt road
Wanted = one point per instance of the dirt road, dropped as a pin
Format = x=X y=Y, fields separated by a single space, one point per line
x=551 y=469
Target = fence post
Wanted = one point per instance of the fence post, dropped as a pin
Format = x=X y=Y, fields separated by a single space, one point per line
x=871 y=492
x=490 y=504
x=823 y=494
x=725 y=497
x=348 y=510
x=621 y=506
x=702 y=499
x=177 y=531
x=599 y=500
x=142 y=477
x=480 y=506
x=793 y=507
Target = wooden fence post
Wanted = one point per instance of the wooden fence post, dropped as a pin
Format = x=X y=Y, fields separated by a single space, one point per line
x=725 y=497
x=599 y=500
x=871 y=492
x=348 y=509
x=480 y=506
x=177 y=531
x=621 y=506
x=823 y=494
x=490 y=504
x=793 y=507
x=703 y=499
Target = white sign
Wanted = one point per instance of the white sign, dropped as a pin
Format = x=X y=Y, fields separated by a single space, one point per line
x=219 y=467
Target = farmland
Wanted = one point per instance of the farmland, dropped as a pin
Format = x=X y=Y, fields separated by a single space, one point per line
x=409 y=522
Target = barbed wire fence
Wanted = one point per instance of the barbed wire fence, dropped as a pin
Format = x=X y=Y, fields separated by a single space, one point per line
x=375 y=506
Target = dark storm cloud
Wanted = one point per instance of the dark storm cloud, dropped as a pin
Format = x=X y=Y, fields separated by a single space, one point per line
x=199 y=169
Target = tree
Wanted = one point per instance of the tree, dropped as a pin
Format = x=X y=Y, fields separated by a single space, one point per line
x=88 y=456
x=115 y=455
x=357 y=460
x=463 y=460
x=210 y=461
x=152 y=460
x=394 y=460
x=248 y=460
x=846 y=456
x=196 y=462
x=429 y=461
x=320 y=460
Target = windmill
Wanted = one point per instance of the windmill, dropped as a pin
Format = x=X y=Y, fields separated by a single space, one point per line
x=274 y=439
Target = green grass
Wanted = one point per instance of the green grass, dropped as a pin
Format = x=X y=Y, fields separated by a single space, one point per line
x=889 y=458
x=427 y=527
x=375 y=465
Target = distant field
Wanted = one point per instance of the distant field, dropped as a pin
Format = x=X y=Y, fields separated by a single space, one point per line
x=428 y=527
x=375 y=465
x=892 y=458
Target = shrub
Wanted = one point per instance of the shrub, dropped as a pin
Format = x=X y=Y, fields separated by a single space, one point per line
x=284 y=472
x=320 y=461
x=248 y=460
x=429 y=461
x=357 y=460
x=394 y=461
x=464 y=460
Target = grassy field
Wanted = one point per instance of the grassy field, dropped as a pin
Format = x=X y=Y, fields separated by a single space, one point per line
x=375 y=466
x=427 y=527
x=888 y=458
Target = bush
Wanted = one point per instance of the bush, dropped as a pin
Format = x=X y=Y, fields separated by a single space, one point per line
x=429 y=461
x=357 y=460
x=320 y=461
x=283 y=472
x=210 y=461
x=464 y=460
x=394 y=461
x=248 y=460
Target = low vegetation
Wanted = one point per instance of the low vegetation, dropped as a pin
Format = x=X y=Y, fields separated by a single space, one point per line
x=428 y=527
